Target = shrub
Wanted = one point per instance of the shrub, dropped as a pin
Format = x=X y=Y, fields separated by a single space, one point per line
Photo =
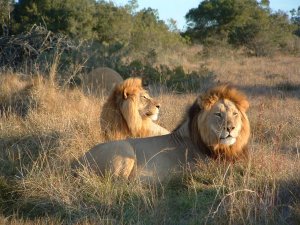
x=175 y=79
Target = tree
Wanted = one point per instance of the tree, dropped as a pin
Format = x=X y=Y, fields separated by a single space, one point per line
x=132 y=6
x=220 y=17
x=112 y=24
x=151 y=34
x=240 y=23
x=296 y=20
x=71 y=17
x=6 y=7
x=116 y=30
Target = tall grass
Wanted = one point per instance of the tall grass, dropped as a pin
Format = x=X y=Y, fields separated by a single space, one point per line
x=59 y=125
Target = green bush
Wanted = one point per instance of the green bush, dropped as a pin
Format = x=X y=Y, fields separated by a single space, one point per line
x=175 y=79
x=190 y=82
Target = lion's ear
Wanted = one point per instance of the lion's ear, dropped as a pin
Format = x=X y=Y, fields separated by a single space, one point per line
x=194 y=109
x=199 y=102
x=206 y=101
x=125 y=93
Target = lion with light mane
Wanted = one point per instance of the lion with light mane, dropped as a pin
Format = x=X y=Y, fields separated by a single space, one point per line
x=216 y=126
x=129 y=112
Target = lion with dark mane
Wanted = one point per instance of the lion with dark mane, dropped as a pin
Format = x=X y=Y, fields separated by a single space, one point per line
x=130 y=112
x=216 y=126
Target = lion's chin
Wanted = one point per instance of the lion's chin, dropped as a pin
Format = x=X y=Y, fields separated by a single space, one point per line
x=228 y=141
x=154 y=117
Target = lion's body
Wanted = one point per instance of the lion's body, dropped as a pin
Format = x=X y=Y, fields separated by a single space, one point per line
x=129 y=112
x=142 y=157
x=100 y=81
x=196 y=138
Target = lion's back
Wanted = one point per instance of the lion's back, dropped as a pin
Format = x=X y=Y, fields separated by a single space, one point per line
x=101 y=81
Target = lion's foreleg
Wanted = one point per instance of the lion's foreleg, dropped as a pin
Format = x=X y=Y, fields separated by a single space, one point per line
x=122 y=166
x=158 y=130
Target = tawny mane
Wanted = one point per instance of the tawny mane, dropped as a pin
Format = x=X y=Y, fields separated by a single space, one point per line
x=225 y=92
x=130 y=86
x=121 y=118
x=112 y=119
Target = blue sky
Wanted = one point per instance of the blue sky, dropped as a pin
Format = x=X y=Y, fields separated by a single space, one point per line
x=176 y=9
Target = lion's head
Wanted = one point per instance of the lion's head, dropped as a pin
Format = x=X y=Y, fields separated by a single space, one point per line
x=133 y=96
x=128 y=110
x=219 y=117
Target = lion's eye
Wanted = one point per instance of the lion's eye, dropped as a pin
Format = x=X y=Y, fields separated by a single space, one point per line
x=218 y=114
x=235 y=114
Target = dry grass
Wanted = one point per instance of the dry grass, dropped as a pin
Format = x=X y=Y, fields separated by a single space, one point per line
x=256 y=72
x=36 y=148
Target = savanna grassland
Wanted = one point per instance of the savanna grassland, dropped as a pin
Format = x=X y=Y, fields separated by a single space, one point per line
x=44 y=127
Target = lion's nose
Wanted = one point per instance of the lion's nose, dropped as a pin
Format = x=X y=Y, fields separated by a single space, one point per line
x=230 y=128
x=158 y=106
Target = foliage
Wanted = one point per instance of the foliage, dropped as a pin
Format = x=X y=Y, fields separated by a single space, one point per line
x=218 y=17
x=134 y=34
x=33 y=50
x=194 y=81
x=175 y=79
x=149 y=32
x=71 y=17
x=6 y=8
x=296 y=20
x=112 y=23
x=241 y=23
x=263 y=36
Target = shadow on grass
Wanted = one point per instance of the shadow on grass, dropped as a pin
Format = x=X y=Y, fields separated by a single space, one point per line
x=17 y=153
x=281 y=90
x=14 y=205
x=289 y=200
x=17 y=157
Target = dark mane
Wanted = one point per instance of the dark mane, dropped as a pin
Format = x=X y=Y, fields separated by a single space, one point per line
x=193 y=113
